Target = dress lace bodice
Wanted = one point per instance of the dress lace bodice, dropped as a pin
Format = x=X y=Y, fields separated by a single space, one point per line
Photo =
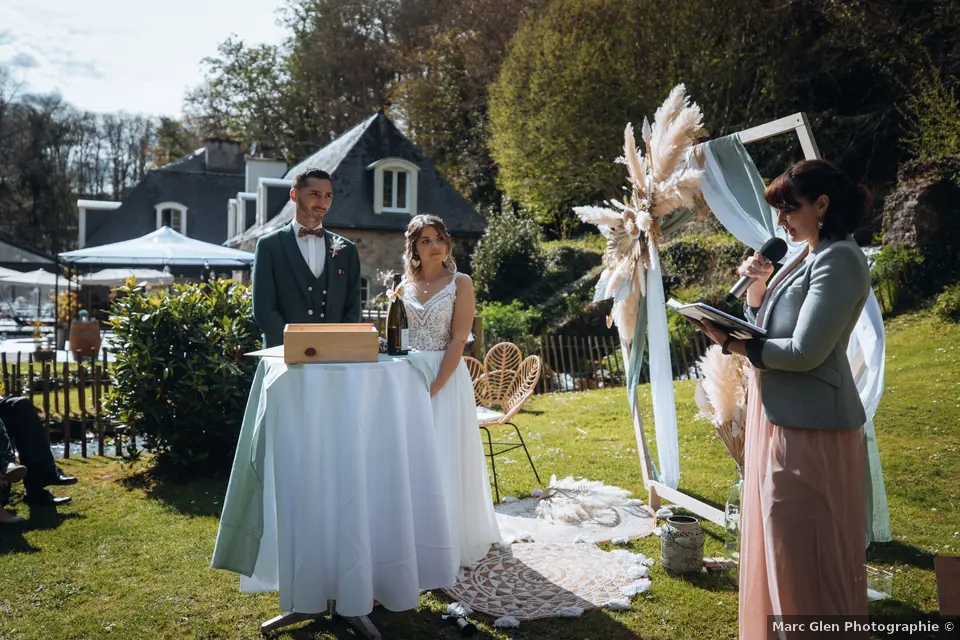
x=430 y=323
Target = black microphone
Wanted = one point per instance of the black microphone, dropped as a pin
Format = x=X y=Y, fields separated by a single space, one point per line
x=773 y=250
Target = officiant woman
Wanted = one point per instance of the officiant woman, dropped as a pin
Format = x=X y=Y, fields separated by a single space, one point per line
x=803 y=544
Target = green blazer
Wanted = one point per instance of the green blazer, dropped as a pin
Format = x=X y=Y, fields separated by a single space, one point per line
x=805 y=378
x=285 y=291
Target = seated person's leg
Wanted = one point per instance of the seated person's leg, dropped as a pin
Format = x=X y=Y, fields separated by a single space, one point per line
x=9 y=472
x=9 y=469
x=26 y=431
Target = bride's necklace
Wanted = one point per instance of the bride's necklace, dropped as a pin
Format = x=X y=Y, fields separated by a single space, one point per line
x=425 y=288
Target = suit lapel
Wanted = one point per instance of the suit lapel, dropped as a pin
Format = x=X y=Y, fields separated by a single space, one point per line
x=299 y=267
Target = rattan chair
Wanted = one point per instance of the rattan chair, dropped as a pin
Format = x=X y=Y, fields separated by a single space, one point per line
x=506 y=383
x=475 y=367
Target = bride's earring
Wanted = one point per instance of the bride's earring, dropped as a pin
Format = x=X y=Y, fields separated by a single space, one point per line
x=415 y=261
x=820 y=223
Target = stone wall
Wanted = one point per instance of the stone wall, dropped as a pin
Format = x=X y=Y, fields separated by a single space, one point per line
x=924 y=211
x=383 y=251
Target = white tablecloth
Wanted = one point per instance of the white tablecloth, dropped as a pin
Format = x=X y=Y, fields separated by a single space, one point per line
x=353 y=503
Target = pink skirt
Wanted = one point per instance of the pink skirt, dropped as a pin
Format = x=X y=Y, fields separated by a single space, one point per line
x=803 y=519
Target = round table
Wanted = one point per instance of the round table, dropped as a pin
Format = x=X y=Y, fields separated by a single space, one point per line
x=352 y=503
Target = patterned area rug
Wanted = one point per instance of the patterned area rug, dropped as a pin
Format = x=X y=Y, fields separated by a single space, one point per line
x=534 y=581
x=518 y=521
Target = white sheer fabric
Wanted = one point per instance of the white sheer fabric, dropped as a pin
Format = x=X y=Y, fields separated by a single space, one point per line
x=661 y=375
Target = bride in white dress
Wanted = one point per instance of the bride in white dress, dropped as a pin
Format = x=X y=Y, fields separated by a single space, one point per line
x=440 y=308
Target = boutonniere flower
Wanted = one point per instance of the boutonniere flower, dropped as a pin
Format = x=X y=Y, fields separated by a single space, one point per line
x=393 y=294
x=335 y=246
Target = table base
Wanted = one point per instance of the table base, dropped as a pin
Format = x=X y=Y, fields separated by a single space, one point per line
x=361 y=623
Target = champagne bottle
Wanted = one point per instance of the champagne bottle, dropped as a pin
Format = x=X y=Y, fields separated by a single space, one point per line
x=398 y=331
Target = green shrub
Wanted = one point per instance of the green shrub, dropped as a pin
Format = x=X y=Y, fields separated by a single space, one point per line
x=508 y=258
x=899 y=278
x=181 y=379
x=706 y=260
x=947 y=305
x=932 y=122
x=565 y=263
x=681 y=331
x=508 y=322
x=688 y=258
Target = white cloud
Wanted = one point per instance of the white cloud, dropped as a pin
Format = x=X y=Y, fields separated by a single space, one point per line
x=125 y=55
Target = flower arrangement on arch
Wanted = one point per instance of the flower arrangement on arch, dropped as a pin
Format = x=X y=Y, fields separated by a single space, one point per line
x=660 y=182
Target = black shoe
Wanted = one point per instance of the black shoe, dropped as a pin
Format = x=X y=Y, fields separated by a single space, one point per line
x=62 y=479
x=45 y=499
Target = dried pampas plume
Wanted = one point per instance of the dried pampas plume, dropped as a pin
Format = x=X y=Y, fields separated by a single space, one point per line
x=722 y=397
x=663 y=180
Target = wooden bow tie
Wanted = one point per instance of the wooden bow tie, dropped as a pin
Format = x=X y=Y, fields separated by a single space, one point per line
x=310 y=232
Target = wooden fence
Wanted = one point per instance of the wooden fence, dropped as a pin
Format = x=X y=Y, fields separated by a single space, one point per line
x=579 y=363
x=68 y=396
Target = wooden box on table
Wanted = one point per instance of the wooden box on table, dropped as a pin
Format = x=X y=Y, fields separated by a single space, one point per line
x=329 y=343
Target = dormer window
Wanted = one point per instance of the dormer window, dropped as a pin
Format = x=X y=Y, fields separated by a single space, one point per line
x=173 y=215
x=394 y=186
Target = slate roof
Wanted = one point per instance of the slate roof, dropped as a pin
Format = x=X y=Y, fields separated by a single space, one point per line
x=347 y=159
x=205 y=195
x=194 y=162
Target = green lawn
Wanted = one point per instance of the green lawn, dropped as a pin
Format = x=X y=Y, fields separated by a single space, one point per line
x=130 y=559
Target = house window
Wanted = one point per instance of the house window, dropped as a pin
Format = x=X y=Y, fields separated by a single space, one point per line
x=171 y=218
x=364 y=290
x=173 y=215
x=394 y=186
x=395 y=191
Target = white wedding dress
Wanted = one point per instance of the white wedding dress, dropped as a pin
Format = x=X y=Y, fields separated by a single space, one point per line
x=473 y=523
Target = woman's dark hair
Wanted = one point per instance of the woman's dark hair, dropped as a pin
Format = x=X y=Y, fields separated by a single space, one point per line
x=810 y=179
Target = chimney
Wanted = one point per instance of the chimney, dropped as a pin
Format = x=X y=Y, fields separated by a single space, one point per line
x=223 y=156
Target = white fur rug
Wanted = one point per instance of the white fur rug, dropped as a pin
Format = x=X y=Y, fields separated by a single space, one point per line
x=571 y=511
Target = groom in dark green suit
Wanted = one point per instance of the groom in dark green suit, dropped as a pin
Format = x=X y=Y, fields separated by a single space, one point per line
x=302 y=273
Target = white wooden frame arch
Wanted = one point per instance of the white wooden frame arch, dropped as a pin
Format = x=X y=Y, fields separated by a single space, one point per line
x=799 y=124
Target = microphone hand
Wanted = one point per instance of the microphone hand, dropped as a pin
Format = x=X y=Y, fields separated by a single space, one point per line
x=757 y=267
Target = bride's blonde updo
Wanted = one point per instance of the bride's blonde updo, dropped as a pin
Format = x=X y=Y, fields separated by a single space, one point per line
x=411 y=260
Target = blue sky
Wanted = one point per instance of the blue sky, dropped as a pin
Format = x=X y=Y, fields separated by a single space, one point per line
x=124 y=55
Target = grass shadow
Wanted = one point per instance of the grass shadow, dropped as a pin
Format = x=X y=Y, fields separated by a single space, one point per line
x=45 y=518
x=194 y=497
x=40 y=518
x=696 y=496
x=898 y=553
x=422 y=623
x=427 y=623
x=893 y=609
x=12 y=540
x=713 y=581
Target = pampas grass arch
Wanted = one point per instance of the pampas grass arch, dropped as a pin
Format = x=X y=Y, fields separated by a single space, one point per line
x=661 y=183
